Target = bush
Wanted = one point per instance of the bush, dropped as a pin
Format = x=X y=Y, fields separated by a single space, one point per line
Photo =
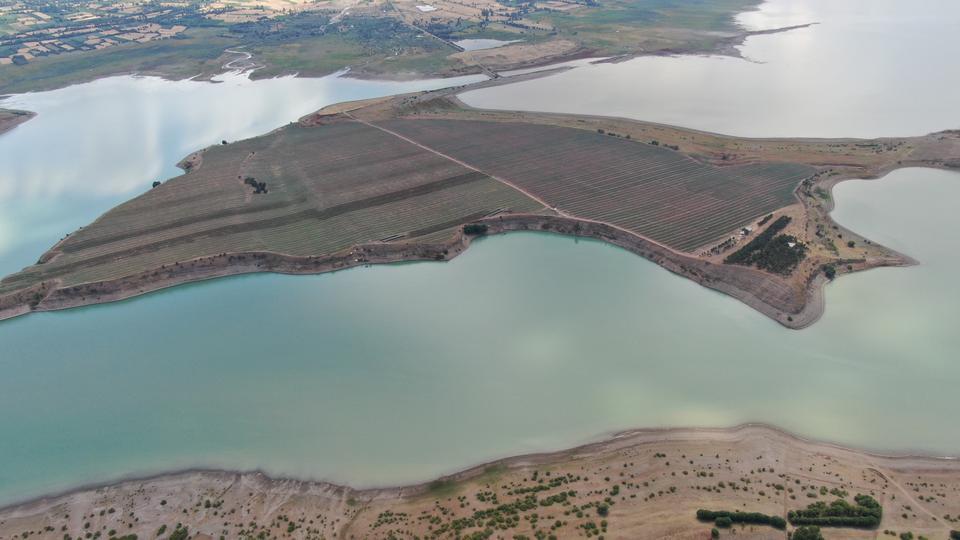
x=830 y=271
x=954 y=535
x=475 y=229
x=714 y=533
x=807 y=533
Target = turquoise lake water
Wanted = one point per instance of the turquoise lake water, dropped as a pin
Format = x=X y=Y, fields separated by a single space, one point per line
x=393 y=374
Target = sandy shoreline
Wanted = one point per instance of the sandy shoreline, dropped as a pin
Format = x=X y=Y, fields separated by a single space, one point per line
x=731 y=455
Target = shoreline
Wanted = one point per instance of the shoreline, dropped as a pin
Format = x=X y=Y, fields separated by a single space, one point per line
x=631 y=441
x=758 y=290
x=724 y=47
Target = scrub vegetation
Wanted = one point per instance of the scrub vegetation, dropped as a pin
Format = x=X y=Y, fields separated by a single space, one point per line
x=643 y=484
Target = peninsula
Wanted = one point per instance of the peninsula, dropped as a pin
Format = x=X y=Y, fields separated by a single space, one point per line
x=417 y=177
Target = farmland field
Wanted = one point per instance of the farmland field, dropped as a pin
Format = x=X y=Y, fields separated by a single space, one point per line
x=328 y=188
x=650 y=190
x=344 y=182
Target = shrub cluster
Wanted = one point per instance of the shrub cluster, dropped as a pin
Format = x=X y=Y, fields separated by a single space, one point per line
x=866 y=513
x=723 y=518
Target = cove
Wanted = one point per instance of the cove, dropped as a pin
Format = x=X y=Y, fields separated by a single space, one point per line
x=528 y=341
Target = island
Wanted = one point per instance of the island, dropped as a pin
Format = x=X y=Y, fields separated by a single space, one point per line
x=753 y=481
x=420 y=176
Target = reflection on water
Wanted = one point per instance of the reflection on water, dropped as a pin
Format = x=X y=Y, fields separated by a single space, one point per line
x=95 y=145
x=870 y=68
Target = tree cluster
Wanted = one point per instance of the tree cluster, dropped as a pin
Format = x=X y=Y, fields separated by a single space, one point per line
x=779 y=253
x=724 y=518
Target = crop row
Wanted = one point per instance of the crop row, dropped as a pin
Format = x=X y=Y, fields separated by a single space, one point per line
x=656 y=192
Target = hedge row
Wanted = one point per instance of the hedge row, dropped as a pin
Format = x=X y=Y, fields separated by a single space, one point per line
x=742 y=517
x=866 y=513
